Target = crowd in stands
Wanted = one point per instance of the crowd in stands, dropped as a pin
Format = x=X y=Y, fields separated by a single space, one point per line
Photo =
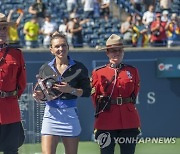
x=90 y=22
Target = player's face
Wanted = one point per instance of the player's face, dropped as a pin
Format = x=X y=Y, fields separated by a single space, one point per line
x=115 y=55
x=3 y=33
x=59 y=48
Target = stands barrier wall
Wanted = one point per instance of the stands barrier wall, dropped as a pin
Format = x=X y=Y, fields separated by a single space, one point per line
x=158 y=101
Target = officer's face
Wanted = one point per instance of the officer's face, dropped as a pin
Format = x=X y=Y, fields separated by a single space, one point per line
x=3 y=33
x=59 y=47
x=115 y=55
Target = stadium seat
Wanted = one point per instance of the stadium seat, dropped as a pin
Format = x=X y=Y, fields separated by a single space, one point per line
x=106 y=36
x=88 y=31
x=95 y=30
x=115 y=30
x=101 y=31
x=87 y=38
x=108 y=31
x=96 y=25
x=101 y=42
x=7 y=1
x=94 y=36
x=108 y=25
x=115 y=21
x=7 y=7
x=93 y=43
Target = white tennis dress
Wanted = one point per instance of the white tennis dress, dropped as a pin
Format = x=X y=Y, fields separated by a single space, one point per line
x=60 y=122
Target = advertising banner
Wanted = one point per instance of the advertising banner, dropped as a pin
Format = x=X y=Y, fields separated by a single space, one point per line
x=26 y=104
x=168 y=67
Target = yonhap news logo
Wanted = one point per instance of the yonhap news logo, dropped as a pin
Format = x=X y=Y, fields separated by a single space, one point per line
x=105 y=139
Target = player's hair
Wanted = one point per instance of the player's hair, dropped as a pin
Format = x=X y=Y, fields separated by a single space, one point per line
x=56 y=35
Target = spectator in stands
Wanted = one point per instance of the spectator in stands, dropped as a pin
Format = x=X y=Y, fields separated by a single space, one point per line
x=12 y=85
x=147 y=3
x=165 y=17
x=71 y=5
x=63 y=26
x=39 y=9
x=97 y=8
x=127 y=31
x=13 y=34
x=115 y=87
x=76 y=31
x=88 y=6
x=48 y=28
x=166 y=4
x=69 y=27
x=137 y=4
x=140 y=34
x=158 y=32
x=31 y=31
x=105 y=9
x=173 y=31
x=60 y=116
x=148 y=16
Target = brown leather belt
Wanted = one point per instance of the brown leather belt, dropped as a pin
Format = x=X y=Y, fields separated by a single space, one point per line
x=4 y=94
x=120 y=100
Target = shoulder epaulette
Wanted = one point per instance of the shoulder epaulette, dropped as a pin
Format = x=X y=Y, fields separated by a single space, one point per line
x=99 y=67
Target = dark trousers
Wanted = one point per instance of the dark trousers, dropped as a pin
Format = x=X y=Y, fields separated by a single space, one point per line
x=77 y=40
x=126 y=138
x=11 y=137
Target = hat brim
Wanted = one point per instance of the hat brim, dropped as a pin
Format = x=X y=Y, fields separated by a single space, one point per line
x=7 y=23
x=115 y=46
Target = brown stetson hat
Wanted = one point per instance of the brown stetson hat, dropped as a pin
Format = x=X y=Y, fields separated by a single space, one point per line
x=3 y=20
x=114 y=41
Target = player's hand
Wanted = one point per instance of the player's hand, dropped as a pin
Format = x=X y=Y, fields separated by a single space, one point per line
x=63 y=87
x=38 y=95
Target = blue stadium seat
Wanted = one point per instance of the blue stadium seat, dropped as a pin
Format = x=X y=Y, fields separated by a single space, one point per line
x=7 y=1
x=108 y=31
x=93 y=43
x=101 y=31
x=115 y=30
x=101 y=42
x=101 y=21
x=7 y=7
x=115 y=21
x=84 y=25
x=95 y=25
x=108 y=25
x=94 y=36
x=17 y=1
x=106 y=36
x=87 y=31
x=87 y=38
x=95 y=30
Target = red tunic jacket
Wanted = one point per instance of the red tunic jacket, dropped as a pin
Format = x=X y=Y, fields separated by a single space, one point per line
x=12 y=77
x=127 y=82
